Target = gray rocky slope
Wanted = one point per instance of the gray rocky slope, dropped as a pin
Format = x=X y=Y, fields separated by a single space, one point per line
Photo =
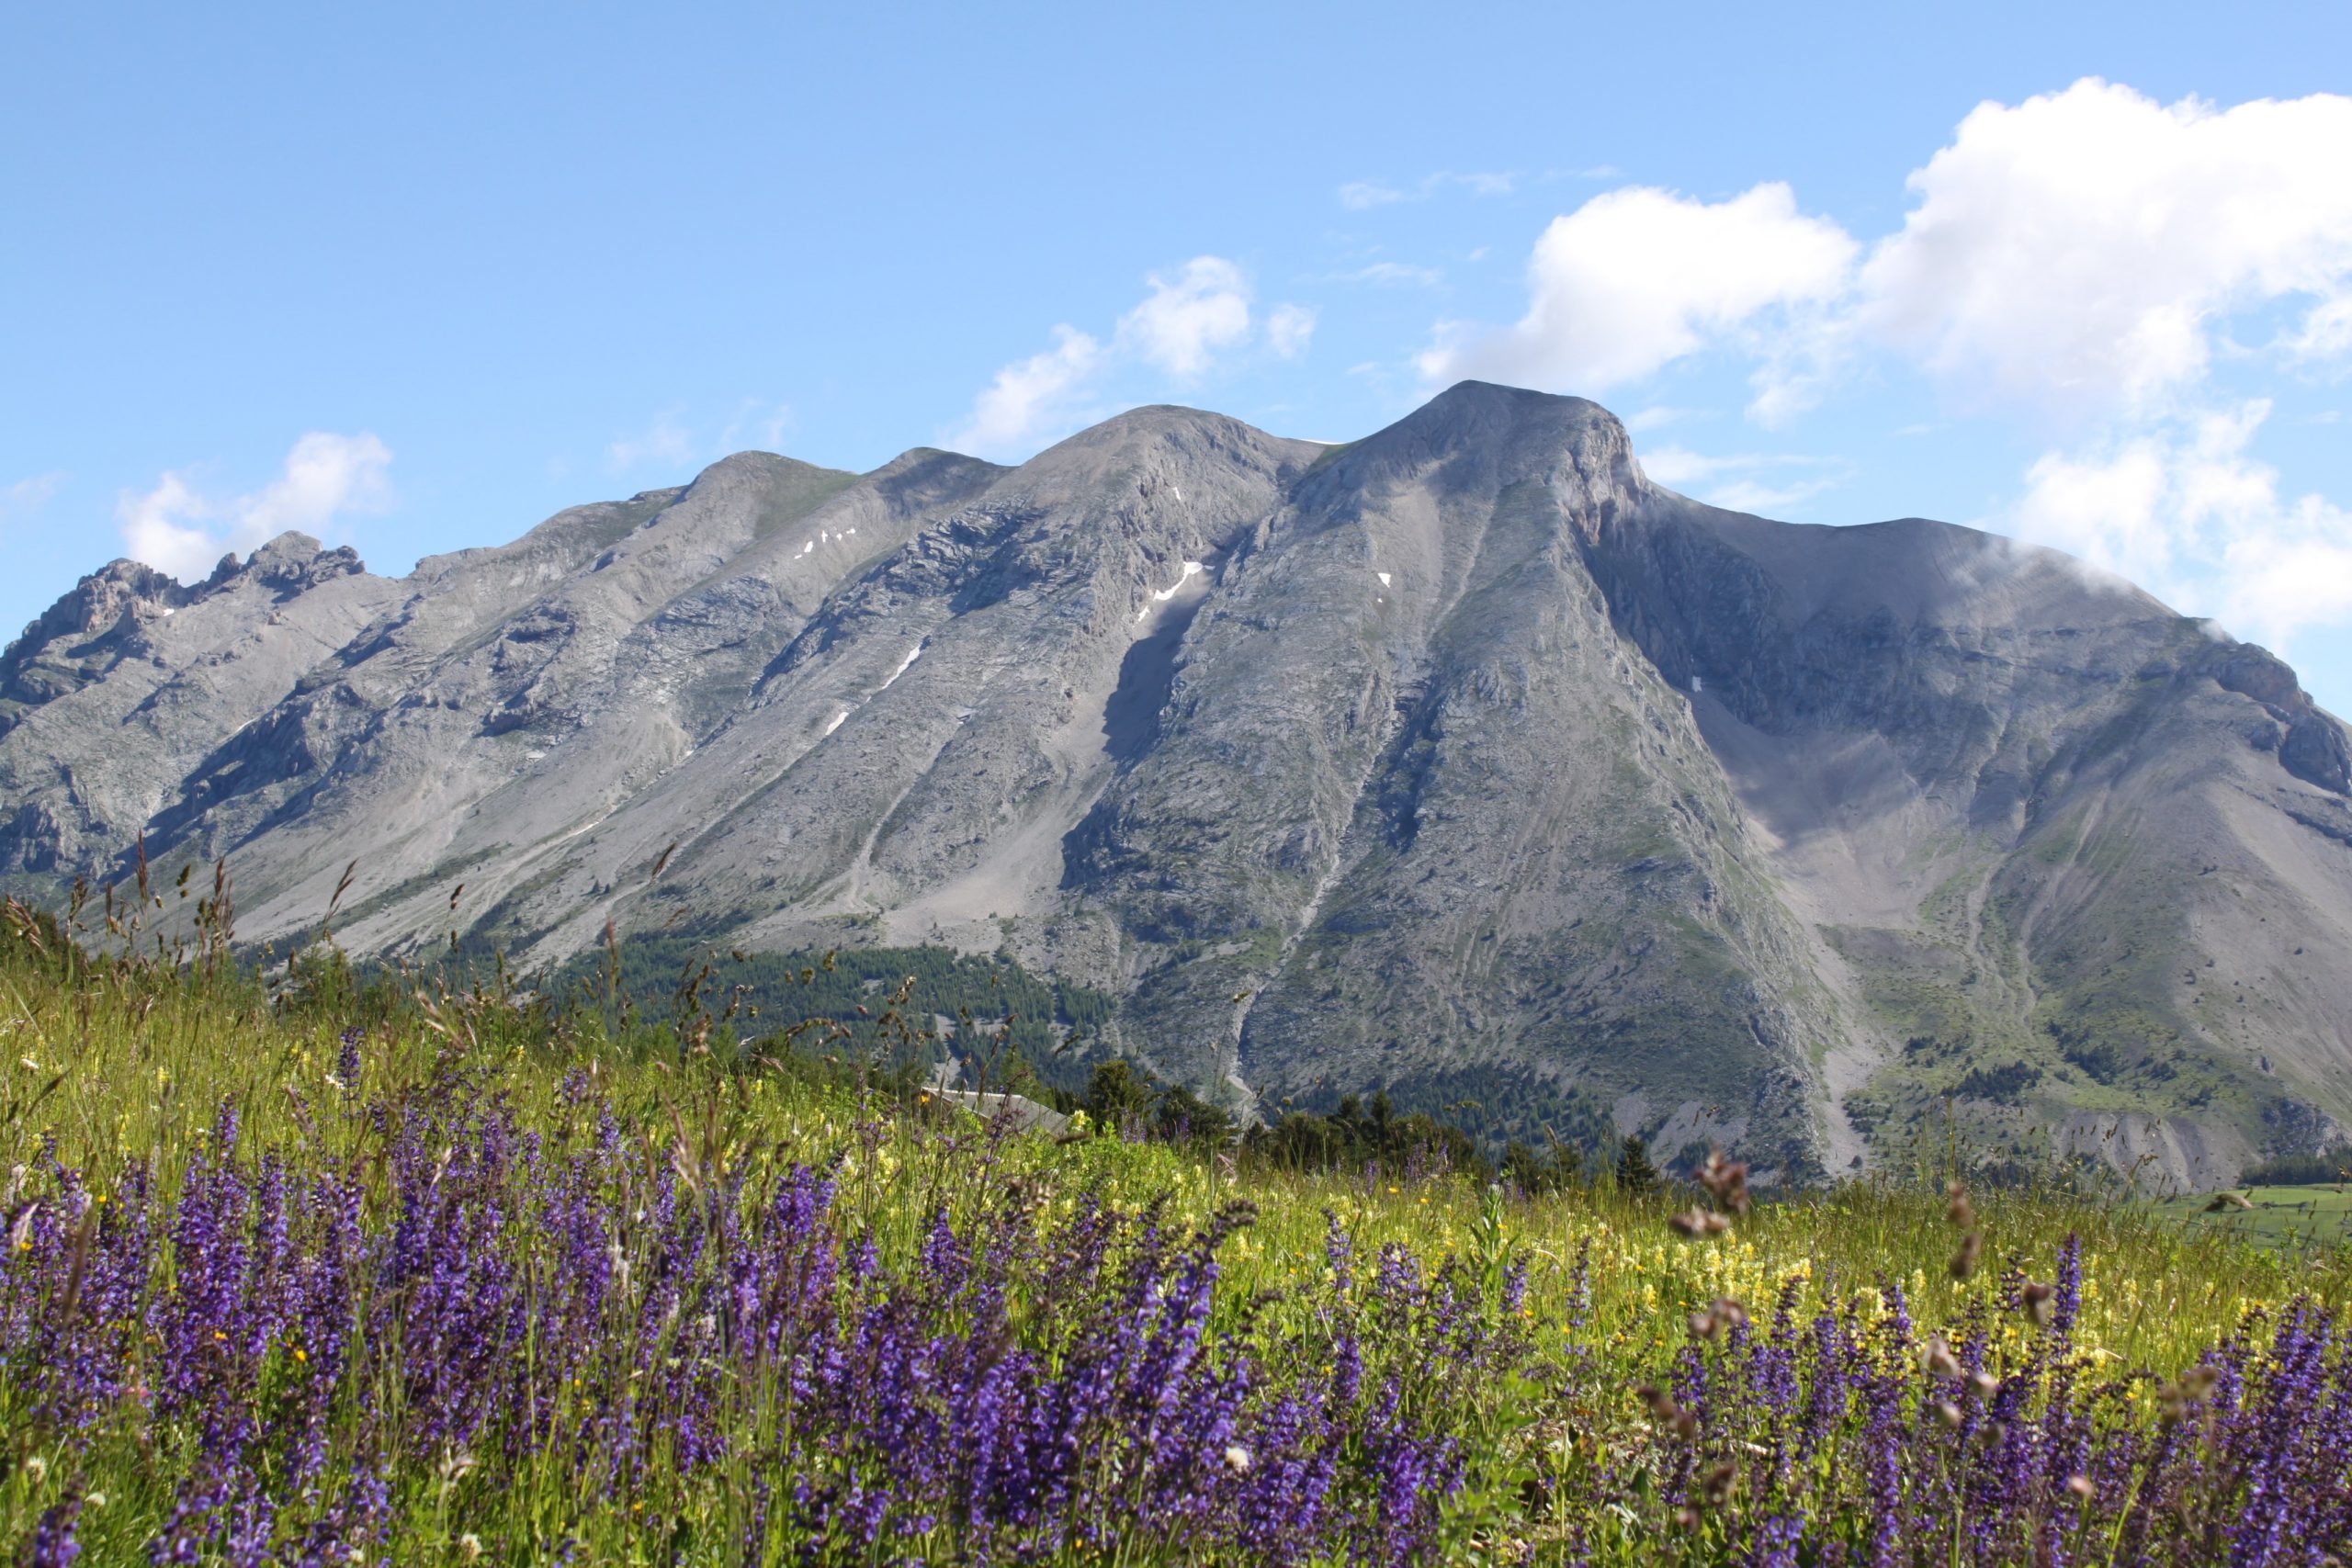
x=1463 y=760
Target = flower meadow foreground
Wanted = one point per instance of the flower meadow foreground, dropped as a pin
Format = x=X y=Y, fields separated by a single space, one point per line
x=451 y=1289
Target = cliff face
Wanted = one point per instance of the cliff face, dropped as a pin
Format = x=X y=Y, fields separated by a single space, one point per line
x=1462 y=761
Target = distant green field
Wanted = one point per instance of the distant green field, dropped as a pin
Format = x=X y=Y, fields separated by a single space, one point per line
x=2290 y=1217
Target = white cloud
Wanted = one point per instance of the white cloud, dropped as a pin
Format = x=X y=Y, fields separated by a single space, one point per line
x=2187 y=513
x=326 y=476
x=1288 y=328
x=26 y=497
x=1030 y=394
x=164 y=528
x=756 y=423
x=176 y=529
x=2087 y=257
x=1753 y=495
x=1357 y=195
x=2326 y=334
x=1393 y=274
x=1739 y=482
x=1185 y=320
x=1187 y=326
x=671 y=444
x=2082 y=249
x=2083 y=252
x=1638 y=277
x=664 y=442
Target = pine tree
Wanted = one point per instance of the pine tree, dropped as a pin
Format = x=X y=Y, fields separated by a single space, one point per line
x=1635 y=1172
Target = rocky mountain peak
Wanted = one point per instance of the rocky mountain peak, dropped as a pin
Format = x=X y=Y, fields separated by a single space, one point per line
x=1462 y=761
x=1483 y=439
x=289 y=564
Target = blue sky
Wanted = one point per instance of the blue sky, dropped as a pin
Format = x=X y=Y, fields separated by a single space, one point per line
x=416 y=279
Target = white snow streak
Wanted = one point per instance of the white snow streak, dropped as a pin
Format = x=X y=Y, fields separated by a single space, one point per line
x=904 y=665
x=1160 y=596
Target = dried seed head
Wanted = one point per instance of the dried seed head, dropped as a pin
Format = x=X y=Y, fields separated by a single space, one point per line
x=1722 y=1314
x=1960 y=1211
x=1963 y=1260
x=1666 y=1413
x=1941 y=1359
x=1725 y=1180
x=2039 y=1302
x=1985 y=1384
x=1948 y=1412
x=2080 y=1485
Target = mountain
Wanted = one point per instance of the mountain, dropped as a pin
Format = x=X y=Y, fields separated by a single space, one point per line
x=1462 y=761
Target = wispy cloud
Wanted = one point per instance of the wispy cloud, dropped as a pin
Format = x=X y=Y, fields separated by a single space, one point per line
x=177 y=529
x=1746 y=481
x=1289 y=328
x=1190 y=323
x=2189 y=511
x=672 y=445
x=756 y=423
x=1388 y=274
x=1358 y=196
x=664 y=441
x=1031 y=394
x=26 y=496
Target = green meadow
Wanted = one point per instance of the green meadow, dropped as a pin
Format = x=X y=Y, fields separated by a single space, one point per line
x=1450 y=1367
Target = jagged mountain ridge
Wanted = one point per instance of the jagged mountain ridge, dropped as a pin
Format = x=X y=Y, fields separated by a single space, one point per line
x=1462 y=760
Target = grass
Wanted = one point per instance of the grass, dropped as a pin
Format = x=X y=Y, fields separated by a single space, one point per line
x=2297 y=1221
x=119 y=1073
